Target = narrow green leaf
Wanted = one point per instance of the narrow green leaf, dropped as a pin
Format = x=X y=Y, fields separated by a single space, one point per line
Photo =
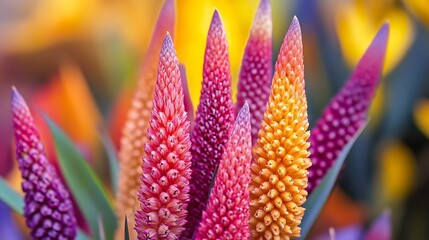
x=11 y=197
x=127 y=234
x=319 y=196
x=86 y=187
x=112 y=157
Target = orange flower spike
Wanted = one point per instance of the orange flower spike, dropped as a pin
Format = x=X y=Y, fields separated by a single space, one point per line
x=133 y=137
x=279 y=172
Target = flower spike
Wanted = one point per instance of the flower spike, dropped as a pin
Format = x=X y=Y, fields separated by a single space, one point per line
x=133 y=137
x=48 y=208
x=347 y=112
x=227 y=212
x=256 y=71
x=164 y=192
x=279 y=172
x=213 y=120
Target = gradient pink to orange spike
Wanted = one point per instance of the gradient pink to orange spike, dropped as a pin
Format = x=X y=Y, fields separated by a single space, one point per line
x=227 y=212
x=346 y=113
x=134 y=131
x=213 y=120
x=48 y=208
x=164 y=192
x=256 y=71
x=279 y=171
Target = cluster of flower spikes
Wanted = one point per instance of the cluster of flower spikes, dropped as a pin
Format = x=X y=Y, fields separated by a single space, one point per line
x=347 y=111
x=134 y=132
x=227 y=212
x=48 y=208
x=279 y=172
x=214 y=118
x=164 y=192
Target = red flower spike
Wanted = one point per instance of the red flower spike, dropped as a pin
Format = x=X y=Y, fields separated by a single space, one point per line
x=48 y=208
x=347 y=111
x=256 y=71
x=214 y=118
x=133 y=136
x=227 y=212
x=164 y=192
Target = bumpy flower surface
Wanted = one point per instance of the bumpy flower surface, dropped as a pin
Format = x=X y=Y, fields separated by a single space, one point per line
x=255 y=75
x=48 y=208
x=133 y=138
x=227 y=212
x=279 y=172
x=164 y=192
x=346 y=112
x=213 y=120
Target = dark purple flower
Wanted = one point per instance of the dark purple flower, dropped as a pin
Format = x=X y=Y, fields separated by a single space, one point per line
x=48 y=208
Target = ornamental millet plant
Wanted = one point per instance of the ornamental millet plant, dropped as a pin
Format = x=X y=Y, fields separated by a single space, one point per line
x=208 y=182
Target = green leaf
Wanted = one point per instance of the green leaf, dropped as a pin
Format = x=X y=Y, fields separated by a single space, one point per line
x=112 y=157
x=11 y=197
x=126 y=234
x=81 y=236
x=319 y=196
x=86 y=187
x=16 y=202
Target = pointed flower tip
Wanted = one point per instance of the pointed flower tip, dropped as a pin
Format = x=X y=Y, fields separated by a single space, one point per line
x=264 y=6
x=17 y=99
x=380 y=39
x=216 y=20
x=294 y=25
x=244 y=115
x=373 y=59
x=167 y=45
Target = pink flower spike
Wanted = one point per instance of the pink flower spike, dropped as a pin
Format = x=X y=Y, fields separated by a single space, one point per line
x=347 y=111
x=48 y=208
x=256 y=71
x=189 y=107
x=213 y=120
x=164 y=191
x=227 y=212
x=133 y=134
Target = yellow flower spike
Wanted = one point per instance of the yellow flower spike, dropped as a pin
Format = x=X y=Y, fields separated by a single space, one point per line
x=357 y=23
x=279 y=172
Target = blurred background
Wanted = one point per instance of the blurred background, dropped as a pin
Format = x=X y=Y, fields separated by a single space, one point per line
x=78 y=61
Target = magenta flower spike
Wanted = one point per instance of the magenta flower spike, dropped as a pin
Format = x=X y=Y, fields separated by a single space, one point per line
x=213 y=120
x=48 y=208
x=256 y=71
x=164 y=191
x=347 y=111
x=227 y=213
